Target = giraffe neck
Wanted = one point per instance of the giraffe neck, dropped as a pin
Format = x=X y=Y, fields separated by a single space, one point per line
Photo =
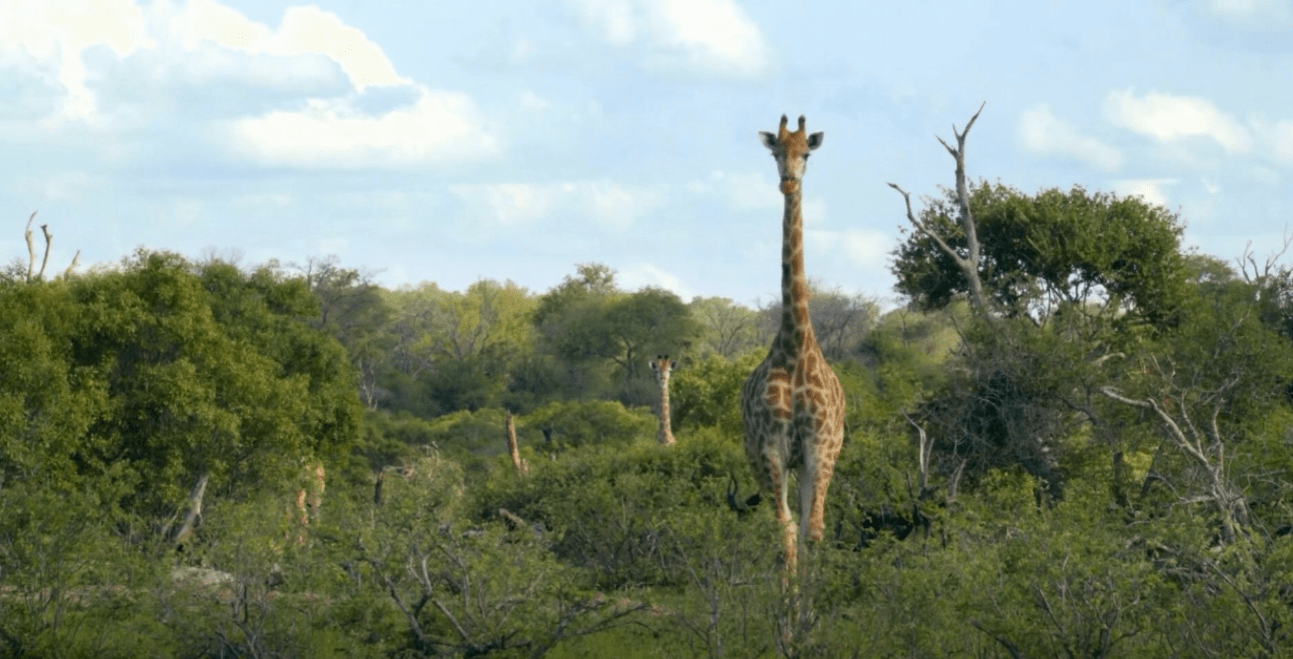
x=665 y=434
x=796 y=328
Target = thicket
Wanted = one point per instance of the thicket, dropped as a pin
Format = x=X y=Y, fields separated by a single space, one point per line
x=1076 y=443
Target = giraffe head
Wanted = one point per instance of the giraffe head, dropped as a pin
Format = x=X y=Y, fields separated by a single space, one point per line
x=661 y=366
x=791 y=151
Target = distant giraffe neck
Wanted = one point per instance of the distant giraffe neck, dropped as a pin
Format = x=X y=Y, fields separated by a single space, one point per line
x=665 y=434
x=795 y=324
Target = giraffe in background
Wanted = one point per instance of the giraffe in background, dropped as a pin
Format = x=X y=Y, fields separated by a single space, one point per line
x=309 y=501
x=793 y=404
x=662 y=367
x=522 y=467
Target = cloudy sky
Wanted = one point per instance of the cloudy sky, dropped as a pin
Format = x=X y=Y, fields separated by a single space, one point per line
x=512 y=139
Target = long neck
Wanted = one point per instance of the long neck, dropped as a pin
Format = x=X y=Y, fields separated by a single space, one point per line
x=795 y=324
x=665 y=434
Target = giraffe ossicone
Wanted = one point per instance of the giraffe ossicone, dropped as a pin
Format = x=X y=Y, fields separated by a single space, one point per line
x=793 y=404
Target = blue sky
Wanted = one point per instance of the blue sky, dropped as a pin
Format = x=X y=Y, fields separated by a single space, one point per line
x=450 y=141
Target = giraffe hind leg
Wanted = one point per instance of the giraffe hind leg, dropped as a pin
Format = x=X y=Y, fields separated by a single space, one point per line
x=780 y=494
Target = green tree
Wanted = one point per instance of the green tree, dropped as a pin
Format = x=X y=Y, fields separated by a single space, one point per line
x=1049 y=251
x=456 y=350
x=595 y=331
x=729 y=329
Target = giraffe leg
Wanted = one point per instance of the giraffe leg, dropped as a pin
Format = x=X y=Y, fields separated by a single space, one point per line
x=824 y=468
x=808 y=500
x=781 y=497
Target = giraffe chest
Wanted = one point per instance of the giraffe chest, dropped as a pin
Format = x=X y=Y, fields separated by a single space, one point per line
x=789 y=410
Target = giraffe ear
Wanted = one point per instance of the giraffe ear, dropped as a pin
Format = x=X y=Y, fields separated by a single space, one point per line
x=653 y=366
x=815 y=140
x=768 y=139
x=673 y=364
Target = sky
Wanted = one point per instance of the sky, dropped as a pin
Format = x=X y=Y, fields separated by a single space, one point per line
x=512 y=139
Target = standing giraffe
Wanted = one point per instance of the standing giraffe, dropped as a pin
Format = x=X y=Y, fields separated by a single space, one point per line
x=792 y=403
x=662 y=367
x=513 y=449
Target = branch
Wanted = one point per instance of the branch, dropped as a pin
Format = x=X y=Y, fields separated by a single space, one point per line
x=49 y=239
x=969 y=266
x=31 y=247
x=920 y=226
x=923 y=455
x=1005 y=642
x=452 y=620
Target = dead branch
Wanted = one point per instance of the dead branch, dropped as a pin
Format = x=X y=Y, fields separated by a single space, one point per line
x=969 y=265
x=925 y=448
x=49 y=240
x=195 y=509
x=31 y=247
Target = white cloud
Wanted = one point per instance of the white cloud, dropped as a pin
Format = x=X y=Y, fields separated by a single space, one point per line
x=57 y=32
x=532 y=102
x=741 y=191
x=867 y=248
x=1259 y=15
x=613 y=18
x=1042 y=132
x=1149 y=189
x=713 y=36
x=647 y=274
x=514 y=204
x=303 y=31
x=1167 y=118
x=511 y=204
x=332 y=245
x=1281 y=141
x=615 y=205
x=439 y=127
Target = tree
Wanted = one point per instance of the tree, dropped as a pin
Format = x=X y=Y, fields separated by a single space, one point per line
x=730 y=330
x=1050 y=251
x=595 y=331
x=840 y=321
x=473 y=592
x=456 y=350
x=351 y=308
x=210 y=372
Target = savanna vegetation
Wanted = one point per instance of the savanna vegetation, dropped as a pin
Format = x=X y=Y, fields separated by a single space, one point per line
x=1074 y=440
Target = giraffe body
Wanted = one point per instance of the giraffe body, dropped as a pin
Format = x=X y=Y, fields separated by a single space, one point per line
x=793 y=404
x=662 y=368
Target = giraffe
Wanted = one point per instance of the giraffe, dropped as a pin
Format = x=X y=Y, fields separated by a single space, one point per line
x=520 y=464
x=662 y=367
x=792 y=404
x=309 y=501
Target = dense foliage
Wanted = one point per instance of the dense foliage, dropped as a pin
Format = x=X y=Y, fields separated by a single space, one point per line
x=1098 y=464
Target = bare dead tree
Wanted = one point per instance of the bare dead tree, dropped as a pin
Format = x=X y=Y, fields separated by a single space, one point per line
x=32 y=274
x=1202 y=443
x=925 y=446
x=194 y=514
x=969 y=263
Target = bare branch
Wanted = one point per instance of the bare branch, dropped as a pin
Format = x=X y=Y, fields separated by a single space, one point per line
x=31 y=247
x=49 y=239
x=452 y=620
x=969 y=266
x=1006 y=643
